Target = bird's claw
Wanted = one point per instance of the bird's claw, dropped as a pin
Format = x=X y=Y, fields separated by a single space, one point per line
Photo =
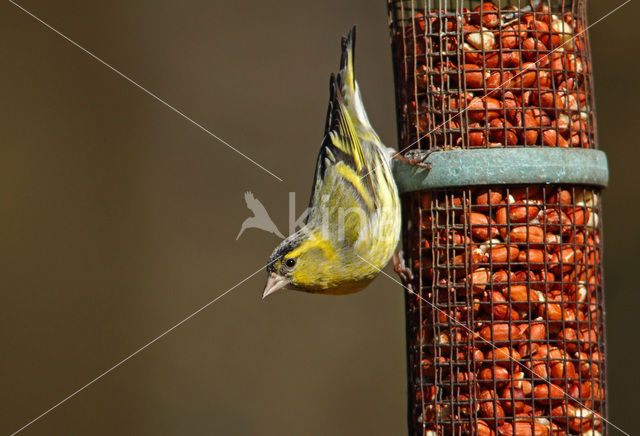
x=417 y=157
x=403 y=271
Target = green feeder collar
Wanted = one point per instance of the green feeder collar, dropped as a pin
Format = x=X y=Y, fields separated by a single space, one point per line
x=504 y=166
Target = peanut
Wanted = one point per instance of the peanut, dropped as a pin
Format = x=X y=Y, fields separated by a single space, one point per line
x=503 y=356
x=489 y=407
x=488 y=107
x=482 y=227
x=526 y=235
x=548 y=393
x=500 y=332
x=523 y=428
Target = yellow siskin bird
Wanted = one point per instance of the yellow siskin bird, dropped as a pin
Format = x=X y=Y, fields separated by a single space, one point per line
x=353 y=224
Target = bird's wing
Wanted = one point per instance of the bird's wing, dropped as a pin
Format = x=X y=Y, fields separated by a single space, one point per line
x=342 y=152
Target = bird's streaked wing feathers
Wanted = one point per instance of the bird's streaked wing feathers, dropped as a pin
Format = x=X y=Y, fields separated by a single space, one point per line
x=340 y=144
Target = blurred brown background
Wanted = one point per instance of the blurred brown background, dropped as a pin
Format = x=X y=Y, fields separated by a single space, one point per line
x=119 y=219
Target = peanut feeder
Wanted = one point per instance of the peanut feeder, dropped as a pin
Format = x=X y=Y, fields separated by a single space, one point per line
x=505 y=321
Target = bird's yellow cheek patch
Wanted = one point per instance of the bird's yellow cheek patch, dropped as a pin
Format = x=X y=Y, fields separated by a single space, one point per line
x=313 y=268
x=310 y=280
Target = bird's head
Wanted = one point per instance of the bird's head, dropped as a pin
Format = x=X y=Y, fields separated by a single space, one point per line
x=302 y=262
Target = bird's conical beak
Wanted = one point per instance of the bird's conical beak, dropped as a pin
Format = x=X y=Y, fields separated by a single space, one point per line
x=275 y=282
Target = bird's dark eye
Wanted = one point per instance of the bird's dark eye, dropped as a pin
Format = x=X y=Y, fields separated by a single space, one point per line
x=290 y=263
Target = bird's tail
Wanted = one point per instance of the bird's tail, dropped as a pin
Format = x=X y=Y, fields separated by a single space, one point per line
x=350 y=90
x=346 y=77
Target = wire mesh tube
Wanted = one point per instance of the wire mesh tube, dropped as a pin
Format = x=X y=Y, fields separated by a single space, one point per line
x=505 y=330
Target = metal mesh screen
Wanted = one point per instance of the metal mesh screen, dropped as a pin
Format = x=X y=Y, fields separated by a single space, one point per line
x=490 y=75
x=505 y=329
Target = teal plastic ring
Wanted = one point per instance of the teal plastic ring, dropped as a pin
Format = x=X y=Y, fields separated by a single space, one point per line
x=504 y=166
